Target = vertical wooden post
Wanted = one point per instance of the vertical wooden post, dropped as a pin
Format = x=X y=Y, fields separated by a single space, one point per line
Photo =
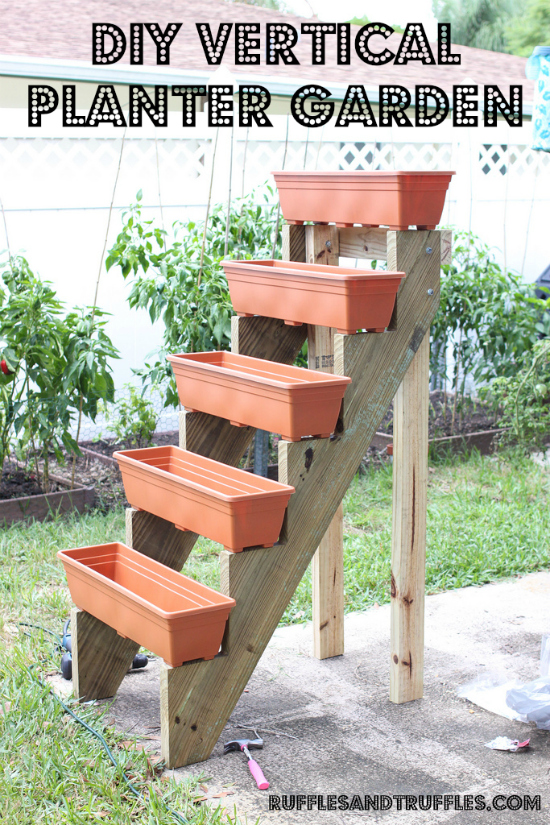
x=327 y=567
x=410 y=480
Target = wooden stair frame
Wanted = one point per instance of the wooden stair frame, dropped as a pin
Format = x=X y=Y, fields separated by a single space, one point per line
x=198 y=697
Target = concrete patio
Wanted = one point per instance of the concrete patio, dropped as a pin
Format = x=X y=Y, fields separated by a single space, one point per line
x=329 y=728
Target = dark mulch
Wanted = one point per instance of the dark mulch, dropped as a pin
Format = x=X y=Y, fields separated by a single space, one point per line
x=18 y=483
x=472 y=418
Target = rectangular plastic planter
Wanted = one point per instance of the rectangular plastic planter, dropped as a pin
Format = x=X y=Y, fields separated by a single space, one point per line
x=177 y=618
x=196 y=493
x=395 y=199
x=330 y=296
x=252 y=392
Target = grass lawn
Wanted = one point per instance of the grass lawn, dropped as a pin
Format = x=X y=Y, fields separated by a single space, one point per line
x=487 y=518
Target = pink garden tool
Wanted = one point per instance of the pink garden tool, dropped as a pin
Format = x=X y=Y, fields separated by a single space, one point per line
x=244 y=745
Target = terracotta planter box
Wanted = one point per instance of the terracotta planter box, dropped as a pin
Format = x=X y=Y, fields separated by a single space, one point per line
x=329 y=296
x=175 y=617
x=196 y=493
x=394 y=199
x=252 y=392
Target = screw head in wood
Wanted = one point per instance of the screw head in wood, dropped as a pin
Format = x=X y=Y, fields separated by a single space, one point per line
x=328 y=245
x=430 y=292
x=429 y=250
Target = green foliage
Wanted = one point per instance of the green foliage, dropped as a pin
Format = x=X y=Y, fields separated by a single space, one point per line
x=530 y=28
x=179 y=280
x=275 y=5
x=481 y=24
x=58 y=364
x=524 y=399
x=488 y=316
x=364 y=20
x=132 y=418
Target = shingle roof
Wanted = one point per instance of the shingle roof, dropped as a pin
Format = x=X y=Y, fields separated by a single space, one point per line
x=62 y=29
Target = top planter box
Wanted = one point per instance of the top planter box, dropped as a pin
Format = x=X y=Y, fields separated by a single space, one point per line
x=394 y=199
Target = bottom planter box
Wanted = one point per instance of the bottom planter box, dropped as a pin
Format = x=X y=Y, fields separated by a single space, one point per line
x=176 y=617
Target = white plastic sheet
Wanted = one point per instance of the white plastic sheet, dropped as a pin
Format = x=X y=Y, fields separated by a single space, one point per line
x=508 y=697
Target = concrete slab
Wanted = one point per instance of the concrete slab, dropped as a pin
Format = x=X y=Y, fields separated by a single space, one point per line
x=330 y=729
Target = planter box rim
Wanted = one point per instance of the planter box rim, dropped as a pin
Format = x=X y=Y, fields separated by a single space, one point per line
x=131 y=459
x=316 y=273
x=361 y=174
x=313 y=378
x=217 y=600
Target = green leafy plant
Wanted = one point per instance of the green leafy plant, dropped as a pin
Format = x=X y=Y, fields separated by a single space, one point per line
x=524 y=399
x=487 y=317
x=132 y=418
x=530 y=28
x=56 y=367
x=179 y=280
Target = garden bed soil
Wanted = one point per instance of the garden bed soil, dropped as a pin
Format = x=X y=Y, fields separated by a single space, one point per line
x=22 y=497
x=476 y=417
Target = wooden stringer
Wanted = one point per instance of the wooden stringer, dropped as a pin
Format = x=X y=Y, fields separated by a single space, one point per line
x=198 y=697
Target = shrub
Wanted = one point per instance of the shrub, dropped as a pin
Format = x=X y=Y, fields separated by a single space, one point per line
x=181 y=282
x=132 y=418
x=488 y=318
x=55 y=367
x=524 y=399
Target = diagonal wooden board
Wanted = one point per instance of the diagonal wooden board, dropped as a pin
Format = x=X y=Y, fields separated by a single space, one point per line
x=198 y=698
x=101 y=658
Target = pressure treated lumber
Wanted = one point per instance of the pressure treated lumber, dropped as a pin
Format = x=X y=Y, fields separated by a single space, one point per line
x=360 y=242
x=197 y=698
x=410 y=474
x=410 y=483
x=327 y=568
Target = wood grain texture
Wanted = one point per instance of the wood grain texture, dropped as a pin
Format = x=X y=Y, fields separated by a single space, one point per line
x=294 y=243
x=360 y=242
x=100 y=656
x=410 y=478
x=446 y=246
x=410 y=485
x=327 y=568
x=267 y=338
x=327 y=591
x=201 y=696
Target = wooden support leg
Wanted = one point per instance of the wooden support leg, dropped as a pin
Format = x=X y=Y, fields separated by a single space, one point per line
x=327 y=576
x=410 y=479
x=327 y=568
